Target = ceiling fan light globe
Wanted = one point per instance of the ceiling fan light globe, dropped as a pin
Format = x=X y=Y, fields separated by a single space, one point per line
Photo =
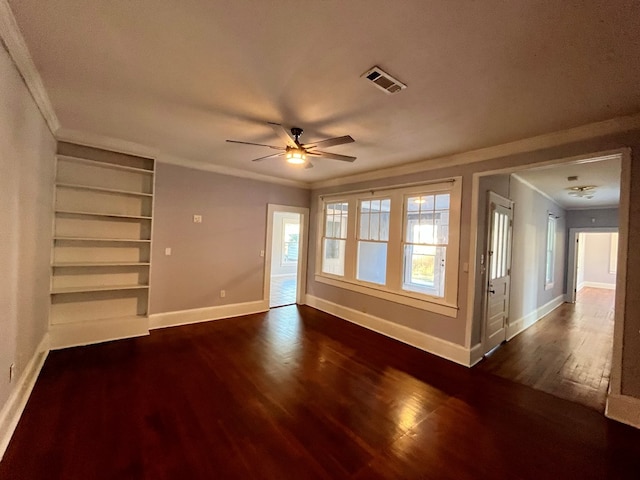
x=296 y=157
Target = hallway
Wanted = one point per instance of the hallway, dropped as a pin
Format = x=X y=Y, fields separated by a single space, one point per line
x=566 y=354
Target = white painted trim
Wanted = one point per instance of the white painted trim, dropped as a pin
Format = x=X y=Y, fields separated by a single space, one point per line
x=17 y=47
x=197 y=315
x=234 y=172
x=607 y=286
x=97 y=331
x=105 y=142
x=615 y=382
x=623 y=408
x=475 y=354
x=520 y=325
x=540 y=142
x=301 y=271
x=536 y=189
x=442 y=348
x=14 y=406
x=430 y=306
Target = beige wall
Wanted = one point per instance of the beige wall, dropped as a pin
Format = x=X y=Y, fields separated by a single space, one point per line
x=222 y=252
x=27 y=151
x=596 y=249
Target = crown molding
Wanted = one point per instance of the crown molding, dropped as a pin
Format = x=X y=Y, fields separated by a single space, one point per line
x=536 y=189
x=540 y=142
x=234 y=172
x=16 y=46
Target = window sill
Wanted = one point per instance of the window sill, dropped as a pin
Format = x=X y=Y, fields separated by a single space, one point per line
x=434 y=306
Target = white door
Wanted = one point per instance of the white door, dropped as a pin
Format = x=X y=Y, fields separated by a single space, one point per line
x=498 y=270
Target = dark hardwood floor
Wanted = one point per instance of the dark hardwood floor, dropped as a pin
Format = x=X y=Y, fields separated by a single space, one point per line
x=298 y=394
x=567 y=353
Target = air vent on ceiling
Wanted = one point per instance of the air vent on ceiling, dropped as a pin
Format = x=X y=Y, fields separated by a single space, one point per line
x=383 y=80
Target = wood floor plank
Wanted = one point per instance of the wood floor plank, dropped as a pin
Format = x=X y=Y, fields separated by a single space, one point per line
x=567 y=353
x=299 y=394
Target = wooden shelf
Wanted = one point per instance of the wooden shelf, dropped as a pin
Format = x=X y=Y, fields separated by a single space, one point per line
x=74 y=186
x=106 y=240
x=112 y=166
x=99 y=264
x=96 y=214
x=102 y=288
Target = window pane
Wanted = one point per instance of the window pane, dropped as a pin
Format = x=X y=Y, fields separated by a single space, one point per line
x=374 y=226
x=424 y=269
x=333 y=256
x=372 y=262
x=442 y=201
x=384 y=226
x=364 y=226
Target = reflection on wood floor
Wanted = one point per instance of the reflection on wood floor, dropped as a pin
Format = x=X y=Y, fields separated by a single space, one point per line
x=298 y=394
x=567 y=353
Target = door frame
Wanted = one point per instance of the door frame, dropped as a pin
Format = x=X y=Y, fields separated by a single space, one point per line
x=572 y=261
x=301 y=272
x=493 y=197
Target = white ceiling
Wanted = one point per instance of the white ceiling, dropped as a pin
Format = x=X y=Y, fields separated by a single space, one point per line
x=181 y=77
x=602 y=173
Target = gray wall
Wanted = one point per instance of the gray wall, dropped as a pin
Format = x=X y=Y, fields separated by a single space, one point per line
x=597 y=217
x=27 y=151
x=528 y=261
x=222 y=252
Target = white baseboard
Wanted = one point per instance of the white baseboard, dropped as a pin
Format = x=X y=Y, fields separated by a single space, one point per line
x=98 y=331
x=608 y=286
x=14 y=406
x=520 y=325
x=623 y=408
x=442 y=348
x=196 y=315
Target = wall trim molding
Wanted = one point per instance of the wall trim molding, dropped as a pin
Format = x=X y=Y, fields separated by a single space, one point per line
x=87 y=333
x=540 y=142
x=518 y=326
x=15 y=404
x=607 y=286
x=624 y=409
x=198 y=315
x=428 y=343
x=17 y=47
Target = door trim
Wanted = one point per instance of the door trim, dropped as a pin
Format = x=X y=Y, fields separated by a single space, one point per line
x=493 y=197
x=571 y=257
x=301 y=275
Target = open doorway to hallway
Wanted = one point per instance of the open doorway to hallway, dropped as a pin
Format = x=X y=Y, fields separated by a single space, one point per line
x=554 y=345
x=285 y=252
x=285 y=255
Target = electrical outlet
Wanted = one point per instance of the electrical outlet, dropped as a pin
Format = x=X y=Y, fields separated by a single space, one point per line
x=223 y=294
x=197 y=219
x=12 y=371
x=167 y=251
x=262 y=253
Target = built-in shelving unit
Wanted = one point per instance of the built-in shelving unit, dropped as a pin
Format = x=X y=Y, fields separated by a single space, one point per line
x=101 y=253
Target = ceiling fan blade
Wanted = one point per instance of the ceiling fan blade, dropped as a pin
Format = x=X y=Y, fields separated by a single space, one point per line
x=283 y=134
x=333 y=156
x=256 y=144
x=268 y=156
x=331 y=142
x=308 y=165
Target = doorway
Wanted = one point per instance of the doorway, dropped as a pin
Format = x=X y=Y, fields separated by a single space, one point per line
x=285 y=255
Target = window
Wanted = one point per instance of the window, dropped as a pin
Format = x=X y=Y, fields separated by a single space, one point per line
x=334 y=239
x=551 y=251
x=399 y=244
x=425 y=248
x=373 y=235
x=290 y=237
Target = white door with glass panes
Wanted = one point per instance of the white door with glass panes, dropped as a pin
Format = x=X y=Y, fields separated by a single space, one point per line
x=498 y=270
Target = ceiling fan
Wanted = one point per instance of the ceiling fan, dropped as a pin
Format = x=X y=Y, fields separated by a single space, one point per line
x=295 y=152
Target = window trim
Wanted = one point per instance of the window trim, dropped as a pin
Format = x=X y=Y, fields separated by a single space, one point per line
x=613 y=253
x=446 y=305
